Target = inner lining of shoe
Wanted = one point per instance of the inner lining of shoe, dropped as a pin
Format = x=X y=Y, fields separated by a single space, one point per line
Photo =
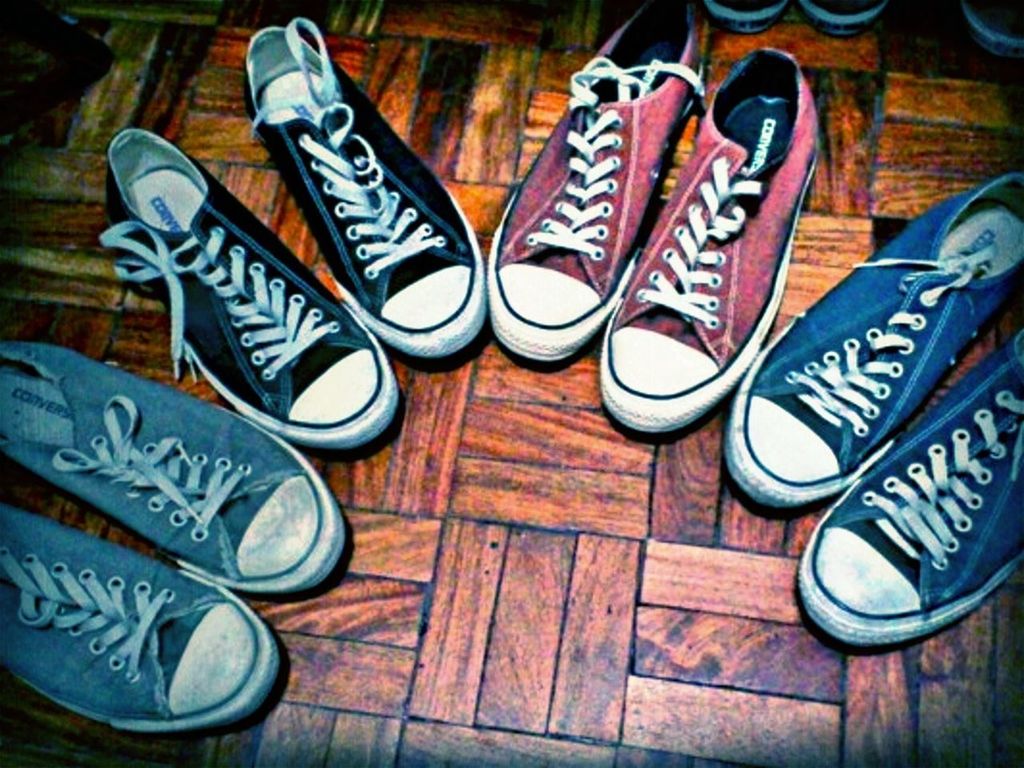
x=33 y=408
x=761 y=125
x=165 y=199
x=989 y=234
x=290 y=88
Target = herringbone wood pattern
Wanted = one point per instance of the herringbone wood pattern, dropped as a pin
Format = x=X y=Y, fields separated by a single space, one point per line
x=527 y=585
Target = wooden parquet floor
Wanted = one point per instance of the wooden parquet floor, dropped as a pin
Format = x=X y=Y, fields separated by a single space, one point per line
x=527 y=585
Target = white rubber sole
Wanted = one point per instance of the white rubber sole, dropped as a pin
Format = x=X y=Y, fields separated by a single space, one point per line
x=755 y=481
x=756 y=20
x=246 y=701
x=537 y=342
x=317 y=564
x=648 y=414
x=860 y=630
x=841 y=24
x=447 y=339
x=995 y=41
x=360 y=430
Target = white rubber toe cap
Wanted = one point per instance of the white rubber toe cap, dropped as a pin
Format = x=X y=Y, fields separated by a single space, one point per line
x=340 y=392
x=282 y=533
x=431 y=301
x=217 y=661
x=860 y=577
x=545 y=296
x=787 y=447
x=654 y=364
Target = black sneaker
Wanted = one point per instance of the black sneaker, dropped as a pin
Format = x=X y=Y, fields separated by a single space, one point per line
x=399 y=247
x=244 y=310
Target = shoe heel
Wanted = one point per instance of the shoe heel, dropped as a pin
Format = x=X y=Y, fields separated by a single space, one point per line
x=746 y=22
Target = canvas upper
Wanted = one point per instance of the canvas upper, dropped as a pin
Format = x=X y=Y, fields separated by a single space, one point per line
x=564 y=244
x=708 y=283
x=122 y=638
x=822 y=403
x=396 y=242
x=221 y=496
x=244 y=311
x=934 y=526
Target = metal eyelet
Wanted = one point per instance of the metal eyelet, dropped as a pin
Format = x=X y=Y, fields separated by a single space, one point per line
x=883 y=391
x=597 y=255
x=96 y=646
x=940 y=565
x=790 y=377
x=831 y=357
x=908 y=350
x=896 y=370
x=115 y=583
x=142 y=589
x=713 y=304
x=984 y=477
x=963 y=524
x=873 y=334
x=890 y=484
x=116 y=663
x=86 y=575
x=178 y=518
x=199 y=535
x=712 y=323
x=715 y=281
x=952 y=546
x=976 y=502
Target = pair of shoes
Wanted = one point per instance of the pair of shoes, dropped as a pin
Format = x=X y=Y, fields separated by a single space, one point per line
x=689 y=300
x=834 y=17
x=244 y=310
x=996 y=25
x=820 y=410
x=126 y=639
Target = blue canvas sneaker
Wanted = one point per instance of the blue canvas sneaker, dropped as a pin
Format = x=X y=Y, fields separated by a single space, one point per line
x=821 y=404
x=244 y=310
x=222 y=497
x=936 y=526
x=400 y=249
x=122 y=638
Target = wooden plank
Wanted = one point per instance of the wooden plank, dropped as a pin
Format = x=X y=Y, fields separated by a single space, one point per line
x=879 y=717
x=955 y=709
x=54 y=174
x=199 y=12
x=363 y=741
x=496 y=114
x=393 y=547
x=634 y=757
x=213 y=136
x=256 y=188
x=177 y=61
x=429 y=744
x=295 y=735
x=84 y=330
x=686 y=486
x=847 y=104
x=952 y=150
x=23 y=321
x=500 y=378
x=83 y=278
x=347 y=675
x=594 y=659
x=718 y=581
x=906 y=193
x=483 y=205
x=957 y=102
x=730 y=725
x=726 y=651
x=31 y=223
x=452 y=656
x=359 y=608
x=420 y=481
x=449 y=72
x=542 y=115
x=112 y=102
x=507 y=23
x=814 y=49
x=520 y=670
x=542 y=434
x=750 y=528
x=575 y=24
x=394 y=79
x=219 y=90
x=354 y=17
x=577 y=500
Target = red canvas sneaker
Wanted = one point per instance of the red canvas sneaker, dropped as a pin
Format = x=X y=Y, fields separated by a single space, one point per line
x=708 y=284
x=560 y=253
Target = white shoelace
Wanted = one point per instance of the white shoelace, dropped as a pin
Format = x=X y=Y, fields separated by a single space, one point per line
x=271 y=323
x=921 y=511
x=163 y=468
x=837 y=394
x=691 y=268
x=382 y=233
x=54 y=597
x=580 y=232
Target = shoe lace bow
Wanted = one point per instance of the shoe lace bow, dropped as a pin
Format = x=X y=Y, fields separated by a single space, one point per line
x=691 y=270
x=377 y=224
x=54 y=597
x=274 y=325
x=593 y=168
x=841 y=389
x=163 y=468
x=923 y=509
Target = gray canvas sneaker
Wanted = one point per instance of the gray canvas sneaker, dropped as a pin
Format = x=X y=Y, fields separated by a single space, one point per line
x=225 y=499
x=935 y=527
x=122 y=638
